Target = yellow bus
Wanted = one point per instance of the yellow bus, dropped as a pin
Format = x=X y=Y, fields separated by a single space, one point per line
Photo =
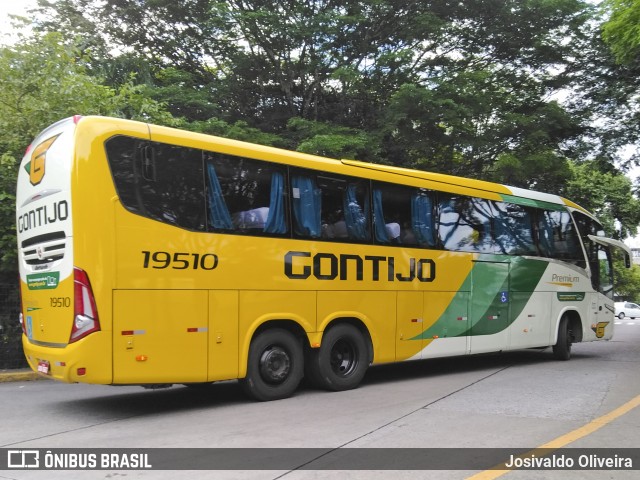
x=150 y=255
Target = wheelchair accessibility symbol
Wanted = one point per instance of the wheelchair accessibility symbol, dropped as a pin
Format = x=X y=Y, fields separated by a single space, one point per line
x=504 y=297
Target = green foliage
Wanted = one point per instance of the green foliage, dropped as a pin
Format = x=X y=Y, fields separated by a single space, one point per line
x=627 y=281
x=544 y=170
x=622 y=31
x=134 y=102
x=608 y=195
x=44 y=80
x=8 y=253
x=240 y=130
x=330 y=140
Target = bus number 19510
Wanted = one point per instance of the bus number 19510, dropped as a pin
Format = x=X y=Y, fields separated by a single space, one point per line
x=60 y=302
x=180 y=260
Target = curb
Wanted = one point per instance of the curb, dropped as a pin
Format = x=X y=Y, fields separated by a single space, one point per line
x=25 y=375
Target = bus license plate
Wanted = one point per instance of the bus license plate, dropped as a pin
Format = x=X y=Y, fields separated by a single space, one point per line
x=43 y=367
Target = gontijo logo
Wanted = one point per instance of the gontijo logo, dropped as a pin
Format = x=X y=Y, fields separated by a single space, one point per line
x=36 y=167
x=599 y=328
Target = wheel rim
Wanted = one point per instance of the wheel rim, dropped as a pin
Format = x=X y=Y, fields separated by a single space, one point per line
x=344 y=358
x=275 y=365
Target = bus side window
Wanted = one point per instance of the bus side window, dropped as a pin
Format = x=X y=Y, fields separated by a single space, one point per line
x=465 y=224
x=355 y=199
x=423 y=219
x=122 y=156
x=306 y=205
x=384 y=233
x=159 y=181
x=391 y=207
x=557 y=237
x=330 y=207
x=545 y=234
x=513 y=229
x=245 y=196
x=403 y=215
x=175 y=195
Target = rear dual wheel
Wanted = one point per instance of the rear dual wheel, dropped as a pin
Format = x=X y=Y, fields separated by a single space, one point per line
x=341 y=361
x=276 y=362
x=275 y=365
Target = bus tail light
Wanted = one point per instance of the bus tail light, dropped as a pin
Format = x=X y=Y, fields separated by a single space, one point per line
x=85 y=315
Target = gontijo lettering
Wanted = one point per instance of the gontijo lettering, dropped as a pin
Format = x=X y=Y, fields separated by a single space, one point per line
x=44 y=215
x=327 y=266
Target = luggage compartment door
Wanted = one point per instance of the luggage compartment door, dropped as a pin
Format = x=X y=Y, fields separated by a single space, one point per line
x=160 y=336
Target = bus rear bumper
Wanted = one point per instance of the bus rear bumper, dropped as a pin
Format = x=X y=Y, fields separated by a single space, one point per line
x=85 y=361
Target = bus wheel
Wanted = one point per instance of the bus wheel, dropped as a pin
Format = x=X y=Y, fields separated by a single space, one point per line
x=562 y=348
x=275 y=365
x=341 y=361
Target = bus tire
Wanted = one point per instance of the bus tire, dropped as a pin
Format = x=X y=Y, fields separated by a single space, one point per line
x=562 y=348
x=275 y=365
x=341 y=361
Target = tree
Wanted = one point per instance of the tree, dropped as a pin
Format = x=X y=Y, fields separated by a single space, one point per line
x=331 y=140
x=627 y=281
x=43 y=80
x=622 y=31
x=510 y=91
x=341 y=62
x=604 y=95
x=607 y=194
x=472 y=126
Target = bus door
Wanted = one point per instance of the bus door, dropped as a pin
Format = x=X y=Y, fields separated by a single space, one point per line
x=489 y=306
x=437 y=323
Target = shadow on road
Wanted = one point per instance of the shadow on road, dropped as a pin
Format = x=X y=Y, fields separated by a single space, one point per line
x=124 y=402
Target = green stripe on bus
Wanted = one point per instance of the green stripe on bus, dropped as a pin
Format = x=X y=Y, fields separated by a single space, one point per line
x=530 y=202
x=500 y=281
x=489 y=304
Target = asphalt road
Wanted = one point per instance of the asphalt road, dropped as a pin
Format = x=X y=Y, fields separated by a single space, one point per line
x=515 y=400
